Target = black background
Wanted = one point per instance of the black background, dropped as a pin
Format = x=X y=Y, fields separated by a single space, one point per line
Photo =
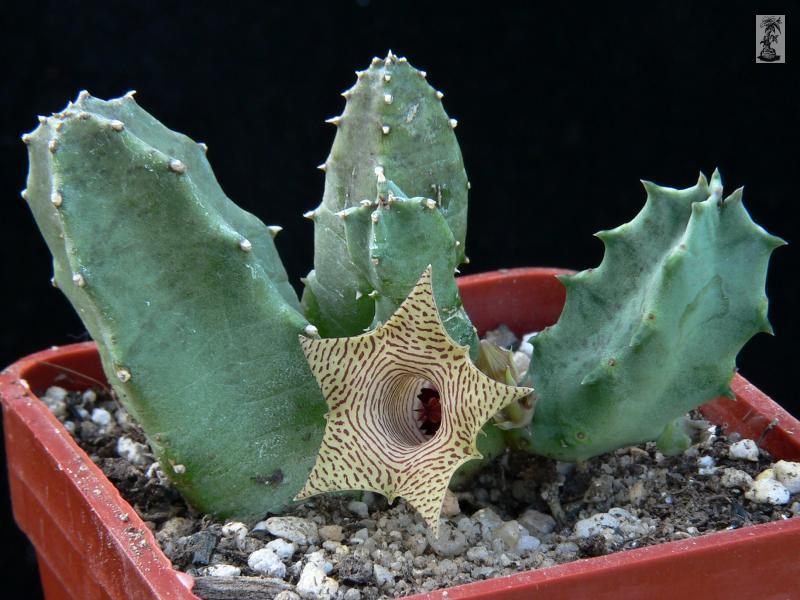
x=561 y=111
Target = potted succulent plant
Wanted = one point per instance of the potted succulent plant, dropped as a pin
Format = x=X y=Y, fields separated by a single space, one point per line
x=376 y=380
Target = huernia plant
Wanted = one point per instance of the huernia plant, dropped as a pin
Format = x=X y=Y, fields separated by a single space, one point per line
x=376 y=381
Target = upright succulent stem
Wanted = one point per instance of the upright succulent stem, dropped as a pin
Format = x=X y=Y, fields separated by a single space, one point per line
x=653 y=332
x=393 y=127
x=187 y=299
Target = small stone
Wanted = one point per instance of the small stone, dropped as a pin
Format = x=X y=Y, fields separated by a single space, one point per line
x=352 y=594
x=637 y=493
x=527 y=543
x=331 y=533
x=383 y=576
x=478 y=554
x=359 y=508
x=788 y=473
x=706 y=465
x=221 y=570
x=521 y=361
x=318 y=558
x=735 y=478
x=355 y=570
x=201 y=545
x=360 y=536
x=417 y=544
x=509 y=533
x=603 y=524
x=236 y=530
x=56 y=393
x=765 y=474
x=315 y=585
x=744 y=450
x=488 y=521
x=102 y=418
x=469 y=528
x=56 y=404
x=449 y=542
x=134 y=452
x=502 y=336
x=267 y=562
x=537 y=522
x=282 y=548
x=446 y=569
x=768 y=491
x=567 y=549
x=630 y=526
x=450 y=507
x=174 y=528
x=795 y=508
x=295 y=529
x=287 y=595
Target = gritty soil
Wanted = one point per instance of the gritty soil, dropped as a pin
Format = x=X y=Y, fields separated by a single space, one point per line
x=522 y=512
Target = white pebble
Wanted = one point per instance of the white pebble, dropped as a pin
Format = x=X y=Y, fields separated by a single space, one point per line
x=788 y=473
x=89 y=397
x=134 y=452
x=521 y=362
x=237 y=530
x=315 y=585
x=706 y=465
x=765 y=474
x=55 y=392
x=600 y=523
x=359 y=508
x=318 y=558
x=101 y=417
x=383 y=576
x=282 y=548
x=266 y=562
x=744 y=450
x=526 y=347
x=223 y=571
x=295 y=529
x=735 y=478
x=768 y=491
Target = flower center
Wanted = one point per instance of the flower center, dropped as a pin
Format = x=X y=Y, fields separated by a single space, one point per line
x=429 y=413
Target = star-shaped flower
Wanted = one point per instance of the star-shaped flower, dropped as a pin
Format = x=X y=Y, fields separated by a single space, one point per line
x=373 y=385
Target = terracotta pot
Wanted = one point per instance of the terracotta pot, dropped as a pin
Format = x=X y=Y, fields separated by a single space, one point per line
x=91 y=544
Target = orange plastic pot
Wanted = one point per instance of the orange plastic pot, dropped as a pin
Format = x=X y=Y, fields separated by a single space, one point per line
x=90 y=543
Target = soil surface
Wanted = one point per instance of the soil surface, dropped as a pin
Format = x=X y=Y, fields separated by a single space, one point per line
x=522 y=512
